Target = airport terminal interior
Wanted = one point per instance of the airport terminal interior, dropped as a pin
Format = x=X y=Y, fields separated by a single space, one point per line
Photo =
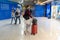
x=46 y=13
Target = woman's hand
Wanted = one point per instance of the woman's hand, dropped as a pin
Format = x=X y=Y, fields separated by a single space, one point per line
x=22 y=13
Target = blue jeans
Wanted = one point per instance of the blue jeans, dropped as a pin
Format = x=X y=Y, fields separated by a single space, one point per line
x=17 y=18
x=13 y=18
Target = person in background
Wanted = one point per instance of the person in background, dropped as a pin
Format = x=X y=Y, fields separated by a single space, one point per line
x=32 y=10
x=13 y=16
x=17 y=15
x=27 y=16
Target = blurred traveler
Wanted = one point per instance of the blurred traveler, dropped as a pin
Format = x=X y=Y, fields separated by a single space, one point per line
x=27 y=16
x=17 y=15
x=13 y=16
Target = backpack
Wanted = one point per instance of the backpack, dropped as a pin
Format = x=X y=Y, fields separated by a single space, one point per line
x=16 y=13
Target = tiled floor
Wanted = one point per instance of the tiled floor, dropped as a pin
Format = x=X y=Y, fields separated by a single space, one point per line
x=48 y=29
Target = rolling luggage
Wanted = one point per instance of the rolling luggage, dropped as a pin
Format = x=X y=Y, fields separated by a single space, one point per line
x=34 y=26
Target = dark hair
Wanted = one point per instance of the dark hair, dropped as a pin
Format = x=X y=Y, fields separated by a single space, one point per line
x=13 y=10
x=27 y=6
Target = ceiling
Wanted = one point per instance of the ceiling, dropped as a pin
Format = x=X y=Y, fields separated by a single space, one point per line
x=16 y=0
x=28 y=1
x=42 y=0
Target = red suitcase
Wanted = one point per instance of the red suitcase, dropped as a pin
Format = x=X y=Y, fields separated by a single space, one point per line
x=34 y=29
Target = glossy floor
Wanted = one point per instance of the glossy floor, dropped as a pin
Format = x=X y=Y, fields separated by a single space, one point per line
x=48 y=29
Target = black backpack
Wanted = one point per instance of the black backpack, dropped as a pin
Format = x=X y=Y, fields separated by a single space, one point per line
x=16 y=13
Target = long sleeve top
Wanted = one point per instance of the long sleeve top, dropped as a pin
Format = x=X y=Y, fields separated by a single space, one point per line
x=27 y=14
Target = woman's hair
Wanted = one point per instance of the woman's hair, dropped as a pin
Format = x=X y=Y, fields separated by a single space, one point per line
x=26 y=6
x=13 y=10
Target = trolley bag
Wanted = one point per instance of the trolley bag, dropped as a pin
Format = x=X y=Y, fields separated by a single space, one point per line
x=34 y=26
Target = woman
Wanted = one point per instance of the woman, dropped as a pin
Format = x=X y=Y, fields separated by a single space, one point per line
x=17 y=15
x=27 y=16
x=13 y=16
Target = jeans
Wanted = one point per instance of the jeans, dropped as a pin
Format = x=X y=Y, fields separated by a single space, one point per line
x=13 y=18
x=17 y=17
